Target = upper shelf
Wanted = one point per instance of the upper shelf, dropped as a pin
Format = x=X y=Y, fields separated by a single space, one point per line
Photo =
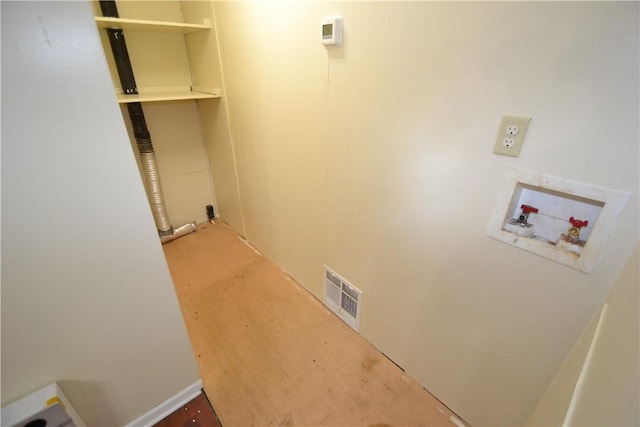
x=145 y=25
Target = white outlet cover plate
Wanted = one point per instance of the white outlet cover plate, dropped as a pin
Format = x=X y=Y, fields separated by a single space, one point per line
x=511 y=133
x=614 y=202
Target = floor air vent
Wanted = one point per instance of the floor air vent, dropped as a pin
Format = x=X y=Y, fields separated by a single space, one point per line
x=342 y=298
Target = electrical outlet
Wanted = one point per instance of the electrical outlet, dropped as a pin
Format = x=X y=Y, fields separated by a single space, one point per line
x=512 y=129
x=511 y=135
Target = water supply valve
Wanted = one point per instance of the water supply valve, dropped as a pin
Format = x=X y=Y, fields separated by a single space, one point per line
x=520 y=224
x=524 y=215
x=574 y=232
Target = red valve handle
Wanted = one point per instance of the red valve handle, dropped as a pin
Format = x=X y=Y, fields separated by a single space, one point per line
x=578 y=223
x=528 y=209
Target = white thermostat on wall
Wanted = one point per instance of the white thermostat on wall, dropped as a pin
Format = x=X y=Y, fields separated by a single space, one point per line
x=332 y=31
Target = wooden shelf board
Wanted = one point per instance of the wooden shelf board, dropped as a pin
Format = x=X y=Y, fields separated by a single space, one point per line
x=145 y=25
x=165 y=96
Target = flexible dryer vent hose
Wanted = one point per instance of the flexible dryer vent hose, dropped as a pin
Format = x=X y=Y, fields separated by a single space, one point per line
x=150 y=169
x=141 y=131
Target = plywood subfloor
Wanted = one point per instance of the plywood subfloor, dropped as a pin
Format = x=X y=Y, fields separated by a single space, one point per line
x=271 y=354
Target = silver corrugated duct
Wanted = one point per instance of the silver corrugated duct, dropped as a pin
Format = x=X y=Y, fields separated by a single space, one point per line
x=156 y=199
x=149 y=168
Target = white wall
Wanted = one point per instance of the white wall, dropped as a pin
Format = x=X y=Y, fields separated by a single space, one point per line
x=87 y=298
x=376 y=159
x=609 y=393
x=182 y=159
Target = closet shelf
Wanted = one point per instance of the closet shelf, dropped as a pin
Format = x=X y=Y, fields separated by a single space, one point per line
x=166 y=96
x=146 y=25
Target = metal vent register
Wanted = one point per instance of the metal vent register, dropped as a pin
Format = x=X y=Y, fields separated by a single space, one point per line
x=344 y=299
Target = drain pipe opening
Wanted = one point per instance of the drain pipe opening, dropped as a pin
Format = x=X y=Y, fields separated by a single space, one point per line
x=179 y=232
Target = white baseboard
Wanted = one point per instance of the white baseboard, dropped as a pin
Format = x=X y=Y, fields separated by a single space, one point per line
x=168 y=406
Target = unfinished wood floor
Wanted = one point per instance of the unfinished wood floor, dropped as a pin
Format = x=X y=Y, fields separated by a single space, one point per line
x=271 y=354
